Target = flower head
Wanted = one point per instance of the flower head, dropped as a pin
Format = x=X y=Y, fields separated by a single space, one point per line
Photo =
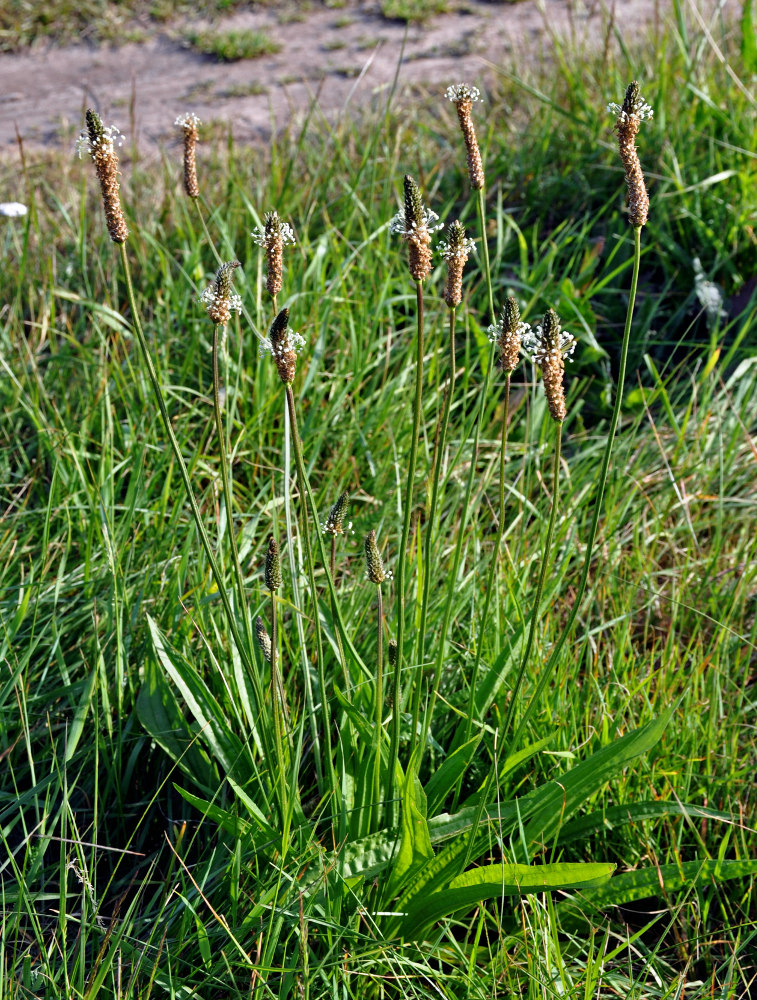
x=374 y=564
x=507 y=334
x=334 y=524
x=100 y=142
x=414 y=224
x=548 y=347
x=283 y=345
x=264 y=639
x=272 y=566
x=218 y=298
x=460 y=92
x=273 y=236
x=188 y=123
x=464 y=97
x=455 y=251
x=629 y=117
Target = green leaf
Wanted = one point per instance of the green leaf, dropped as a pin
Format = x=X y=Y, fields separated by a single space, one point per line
x=646 y=882
x=444 y=779
x=415 y=848
x=495 y=881
x=634 y=812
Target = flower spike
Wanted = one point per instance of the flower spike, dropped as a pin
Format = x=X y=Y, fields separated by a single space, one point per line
x=548 y=347
x=218 y=298
x=188 y=124
x=455 y=251
x=507 y=334
x=100 y=142
x=283 y=345
x=464 y=97
x=629 y=117
x=273 y=236
x=415 y=225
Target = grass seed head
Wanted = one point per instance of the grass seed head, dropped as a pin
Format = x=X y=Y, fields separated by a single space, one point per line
x=629 y=117
x=272 y=566
x=334 y=523
x=218 y=298
x=100 y=142
x=188 y=124
x=506 y=334
x=415 y=225
x=273 y=236
x=455 y=251
x=464 y=97
x=373 y=562
x=283 y=345
x=548 y=346
x=264 y=639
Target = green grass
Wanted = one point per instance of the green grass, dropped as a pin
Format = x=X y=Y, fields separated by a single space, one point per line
x=231 y=46
x=129 y=724
x=413 y=10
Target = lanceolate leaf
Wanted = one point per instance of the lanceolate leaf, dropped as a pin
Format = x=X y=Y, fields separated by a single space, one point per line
x=415 y=844
x=495 y=881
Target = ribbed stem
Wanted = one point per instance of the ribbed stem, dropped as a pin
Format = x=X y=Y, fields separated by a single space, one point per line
x=376 y=811
x=490 y=582
x=227 y=494
x=402 y=554
x=245 y=651
x=598 y=501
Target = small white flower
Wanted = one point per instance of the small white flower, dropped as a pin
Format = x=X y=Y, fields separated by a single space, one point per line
x=535 y=347
x=188 y=121
x=209 y=298
x=466 y=248
x=111 y=138
x=274 y=225
x=640 y=110
x=494 y=332
x=12 y=209
x=462 y=92
x=290 y=341
x=398 y=226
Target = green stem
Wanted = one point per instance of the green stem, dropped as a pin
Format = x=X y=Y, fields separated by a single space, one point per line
x=305 y=491
x=490 y=583
x=598 y=501
x=431 y=529
x=244 y=650
x=376 y=812
x=402 y=554
x=227 y=494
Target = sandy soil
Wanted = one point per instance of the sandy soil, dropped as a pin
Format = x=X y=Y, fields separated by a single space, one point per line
x=341 y=55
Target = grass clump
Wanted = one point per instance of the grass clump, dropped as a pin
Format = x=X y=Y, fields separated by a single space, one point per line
x=244 y=757
x=234 y=45
x=413 y=10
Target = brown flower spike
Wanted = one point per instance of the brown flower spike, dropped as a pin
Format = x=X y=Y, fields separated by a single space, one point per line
x=218 y=298
x=100 y=141
x=373 y=563
x=415 y=225
x=629 y=117
x=455 y=251
x=283 y=345
x=273 y=237
x=464 y=97
x=272 y=566
x=506 y=334
x=188 y=123
x=264 y=639
x=548 y=346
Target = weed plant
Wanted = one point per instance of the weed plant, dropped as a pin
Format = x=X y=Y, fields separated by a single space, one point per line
x=250 y=753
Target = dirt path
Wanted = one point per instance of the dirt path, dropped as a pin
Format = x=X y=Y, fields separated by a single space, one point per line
x=344 y=54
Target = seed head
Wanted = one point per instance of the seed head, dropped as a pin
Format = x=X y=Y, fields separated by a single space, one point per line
x=273 y=237
x=455 y=251
x=188 y=124
x=100 y=142
x=334 y=523
x=264 y=639
x=463 y=97
x=272 y=566
x=373 y=562
x=629 y=117
x=392 y=650
x=548 y=347
x=218 y=298
x=507 y=334
x=415 y=225
x=283 y=345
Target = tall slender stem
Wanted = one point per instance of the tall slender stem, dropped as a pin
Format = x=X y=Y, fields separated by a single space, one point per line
x=376 y=812
x=494 y=561
x=245 y=651
x=402 y=554
x=227 y=494
x=599 y=498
